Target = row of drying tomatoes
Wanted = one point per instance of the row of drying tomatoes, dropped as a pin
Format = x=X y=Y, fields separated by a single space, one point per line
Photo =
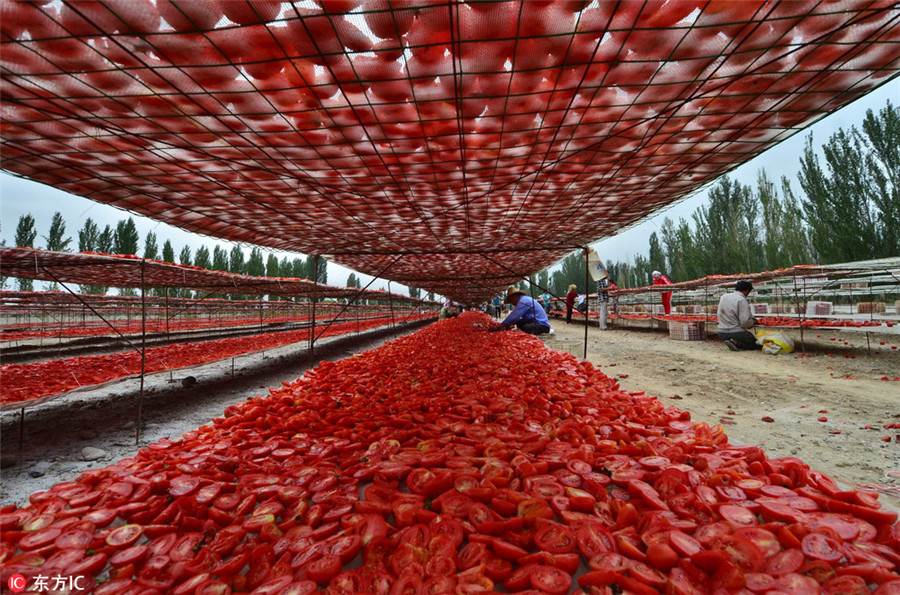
x=455 y=460
x=784 y=321
x=22 y=382
x=154 y=325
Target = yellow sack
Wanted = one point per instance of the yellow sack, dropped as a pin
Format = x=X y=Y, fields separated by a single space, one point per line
x=774 y=342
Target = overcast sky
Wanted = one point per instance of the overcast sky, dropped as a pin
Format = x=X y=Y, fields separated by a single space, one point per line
x=18 y=197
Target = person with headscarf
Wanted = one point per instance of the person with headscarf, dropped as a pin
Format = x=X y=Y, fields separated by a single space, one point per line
x=660 y=279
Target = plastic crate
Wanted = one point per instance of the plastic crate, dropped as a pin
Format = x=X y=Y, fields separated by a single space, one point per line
x=759 y=309
x=573 y=346
x=685 y=331
x=871 y=307
x=814 y=309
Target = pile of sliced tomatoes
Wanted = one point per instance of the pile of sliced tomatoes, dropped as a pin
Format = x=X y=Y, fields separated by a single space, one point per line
x=23 y=382
x=455 y=461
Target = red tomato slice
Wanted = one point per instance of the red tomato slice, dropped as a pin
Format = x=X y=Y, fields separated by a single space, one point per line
x=784 y=562
x=759 y=582
x=131 y=555
x=662 y=556
x=594 y=539
x=74 y=539
x=507 y=550
x=182 y=486
x=765 y=540
x=819 y=547
x=846 y=585
x=324 y=569
x=519 y=579
x=684 y=544
x=797 y=584
x=737 y=516
x=742 y=552
x=555 y=539
x=710 y=533
x=440 y=566
x=496 y=568
x=39 y=539
x=550 y=579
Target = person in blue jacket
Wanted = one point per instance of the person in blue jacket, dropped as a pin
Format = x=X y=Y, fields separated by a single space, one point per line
x=526 y=316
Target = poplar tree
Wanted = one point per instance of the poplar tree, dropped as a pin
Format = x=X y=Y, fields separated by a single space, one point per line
x=657 y=260
x=151 y=248
x=89 y=241
x=185 y=257
x=25 y=235
x=220 y=259
x=105 y=240
x=56 y=239
x=168 y=252
x=125 y=238
x=201 y=258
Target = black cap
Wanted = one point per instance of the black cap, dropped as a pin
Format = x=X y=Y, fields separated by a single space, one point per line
x=743 y=286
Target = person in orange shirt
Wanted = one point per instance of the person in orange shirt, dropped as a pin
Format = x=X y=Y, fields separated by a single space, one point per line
x=660 y=279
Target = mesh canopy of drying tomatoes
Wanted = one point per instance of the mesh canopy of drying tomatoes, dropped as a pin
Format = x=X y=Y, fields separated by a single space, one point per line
x=23 y=382
x=455 y=460
x=124 y=270
x=478 y=140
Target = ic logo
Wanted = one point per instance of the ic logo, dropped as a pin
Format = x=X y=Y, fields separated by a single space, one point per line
x=16 y=583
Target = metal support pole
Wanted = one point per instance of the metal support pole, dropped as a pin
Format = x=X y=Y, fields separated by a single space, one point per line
x=587 y=302
x=91 y=308
x=168 y=338
x=799 y=314
x=312 y=329
x=137 y=433
x=357 y=296
x=706 y=312
x=391 y=305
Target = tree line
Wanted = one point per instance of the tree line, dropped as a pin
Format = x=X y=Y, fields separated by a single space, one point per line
x=124 y=239
x=848 y=210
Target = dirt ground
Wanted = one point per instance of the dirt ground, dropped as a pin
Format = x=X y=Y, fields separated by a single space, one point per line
x=56 y=432
x=703 y=377
x=830 y=379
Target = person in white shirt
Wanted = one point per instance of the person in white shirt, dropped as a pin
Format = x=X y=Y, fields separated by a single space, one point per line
x=735 y=319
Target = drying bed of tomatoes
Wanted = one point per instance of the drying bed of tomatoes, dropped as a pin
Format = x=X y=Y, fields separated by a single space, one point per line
x=455 y=460
x=23 y=382
x=154 y=325
x=781 y=321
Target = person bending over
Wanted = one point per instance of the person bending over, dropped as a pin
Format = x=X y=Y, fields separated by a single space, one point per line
x=527 y=315
x=735 y=319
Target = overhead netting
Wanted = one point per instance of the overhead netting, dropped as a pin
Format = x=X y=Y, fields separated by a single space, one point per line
x=442 y=133
x=87 y=268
